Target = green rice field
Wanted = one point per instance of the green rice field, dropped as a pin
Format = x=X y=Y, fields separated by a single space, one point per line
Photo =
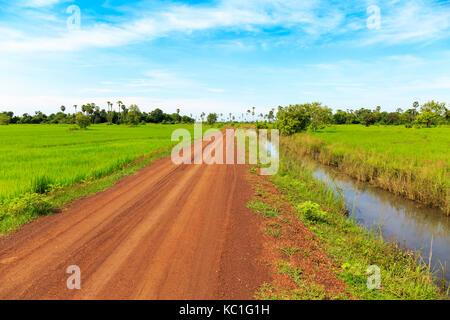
x=35 y=157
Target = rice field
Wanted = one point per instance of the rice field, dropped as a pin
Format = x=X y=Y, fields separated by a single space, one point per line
x=34 y=158
x=414 y=163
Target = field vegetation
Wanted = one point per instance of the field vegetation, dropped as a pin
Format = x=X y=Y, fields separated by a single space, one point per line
x=408 y=162
x=38 y=160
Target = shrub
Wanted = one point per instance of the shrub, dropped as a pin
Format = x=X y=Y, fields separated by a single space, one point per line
x=82 y=120
x=312 y=211
x=31 y=203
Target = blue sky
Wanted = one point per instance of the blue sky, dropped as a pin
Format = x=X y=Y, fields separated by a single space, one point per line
x=223 y=56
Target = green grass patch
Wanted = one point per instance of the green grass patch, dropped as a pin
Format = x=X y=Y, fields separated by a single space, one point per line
x=261 y=208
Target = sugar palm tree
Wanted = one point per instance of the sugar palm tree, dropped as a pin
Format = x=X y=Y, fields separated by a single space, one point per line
x=63 y=108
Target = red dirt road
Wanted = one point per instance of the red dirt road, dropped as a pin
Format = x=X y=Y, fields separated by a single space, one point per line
x=168 y=232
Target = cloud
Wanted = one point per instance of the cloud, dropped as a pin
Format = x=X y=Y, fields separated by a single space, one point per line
x=39 y=3
x=231 y=15
x=410 y=22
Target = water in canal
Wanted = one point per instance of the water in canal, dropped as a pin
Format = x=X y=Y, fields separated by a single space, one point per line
x=413 y=226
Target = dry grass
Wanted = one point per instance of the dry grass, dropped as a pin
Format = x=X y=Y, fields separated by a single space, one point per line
x=408 y=162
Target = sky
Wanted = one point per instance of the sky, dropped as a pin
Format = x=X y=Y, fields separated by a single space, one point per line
x=223 y=55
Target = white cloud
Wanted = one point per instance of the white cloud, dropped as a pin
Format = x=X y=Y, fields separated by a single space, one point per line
x=233 y=15
x=412 y=21
x=39 y=3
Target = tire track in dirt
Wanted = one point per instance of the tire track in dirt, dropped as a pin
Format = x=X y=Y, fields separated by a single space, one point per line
x=168 y=232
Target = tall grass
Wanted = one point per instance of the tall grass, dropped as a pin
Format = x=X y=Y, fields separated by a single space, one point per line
x=414 y=163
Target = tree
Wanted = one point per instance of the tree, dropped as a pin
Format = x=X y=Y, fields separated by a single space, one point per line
x=134 y=115
x=82 y=120
x=212 y=118
x=75 y=107
x=63 y=108
x=340 y=117
x=320 y=115
x=434 y=106
x=432 y=111
x=369 y=119
x=156 y=116
x=427 y=119
x=293 y=119
x=4 y=119
x=271 y=115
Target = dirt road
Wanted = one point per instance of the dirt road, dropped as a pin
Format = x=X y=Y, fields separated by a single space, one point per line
x=168 y=232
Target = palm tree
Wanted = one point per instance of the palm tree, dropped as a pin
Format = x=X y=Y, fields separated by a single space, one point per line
x=63 y=108
x=124 y=108
x=75 y=106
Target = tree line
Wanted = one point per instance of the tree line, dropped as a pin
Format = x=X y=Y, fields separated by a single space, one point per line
x=289 y=119
x=295 y=118
x=92 y=114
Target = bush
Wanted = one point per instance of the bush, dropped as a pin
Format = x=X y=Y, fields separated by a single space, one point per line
x=312 y=211
x=31 y=203
x=82 y=121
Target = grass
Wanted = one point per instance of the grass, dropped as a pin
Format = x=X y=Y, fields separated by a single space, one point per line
x=43 y=167
x=348 y=245
x=414 y=163
x=261 y=208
